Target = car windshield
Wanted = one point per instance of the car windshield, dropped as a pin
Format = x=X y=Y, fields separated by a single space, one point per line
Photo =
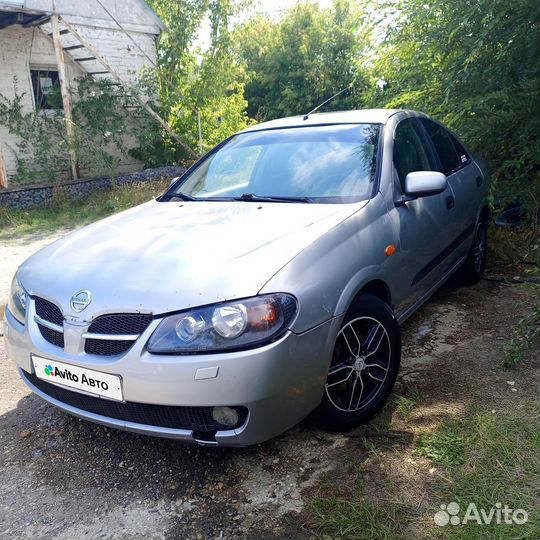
x=334 y=163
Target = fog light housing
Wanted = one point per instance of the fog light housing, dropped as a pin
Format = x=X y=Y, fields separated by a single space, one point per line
x=225 y=416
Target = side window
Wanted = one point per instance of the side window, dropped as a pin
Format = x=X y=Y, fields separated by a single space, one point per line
x=444 y=146
x=460 y=149
x=46 y=89
x=410 y=151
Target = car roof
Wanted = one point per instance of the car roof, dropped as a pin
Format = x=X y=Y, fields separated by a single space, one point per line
x=362 y=116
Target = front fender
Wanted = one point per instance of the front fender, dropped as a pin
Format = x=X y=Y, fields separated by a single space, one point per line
x=326 y=275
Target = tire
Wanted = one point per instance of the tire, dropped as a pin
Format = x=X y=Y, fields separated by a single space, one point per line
x=473 y=268
x=358 y=386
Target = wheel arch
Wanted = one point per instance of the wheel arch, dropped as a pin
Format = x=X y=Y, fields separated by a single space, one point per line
x=367 y=284
x=378 y=288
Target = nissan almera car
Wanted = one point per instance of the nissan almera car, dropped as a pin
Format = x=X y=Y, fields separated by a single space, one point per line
x=268 y=284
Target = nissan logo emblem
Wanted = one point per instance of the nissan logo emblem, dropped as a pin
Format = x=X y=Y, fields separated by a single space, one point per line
x=80 y=300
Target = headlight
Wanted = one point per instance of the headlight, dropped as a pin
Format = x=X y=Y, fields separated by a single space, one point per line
x=18 y=300
x=222 y=327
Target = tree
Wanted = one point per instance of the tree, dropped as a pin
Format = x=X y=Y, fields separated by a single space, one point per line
x=193 y=85
x=474 y=66
x=295 y=63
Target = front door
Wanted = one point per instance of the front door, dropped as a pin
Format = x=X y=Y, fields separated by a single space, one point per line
x=423 y=222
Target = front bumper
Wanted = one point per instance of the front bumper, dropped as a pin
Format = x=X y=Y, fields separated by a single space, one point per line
x=279 y=383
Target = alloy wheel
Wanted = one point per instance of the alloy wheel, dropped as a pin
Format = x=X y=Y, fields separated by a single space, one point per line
x=360 y=364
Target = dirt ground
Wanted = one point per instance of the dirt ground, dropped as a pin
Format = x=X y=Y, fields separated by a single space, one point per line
x=64 y=478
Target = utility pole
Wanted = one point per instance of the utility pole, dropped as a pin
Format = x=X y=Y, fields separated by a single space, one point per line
x=66 y=96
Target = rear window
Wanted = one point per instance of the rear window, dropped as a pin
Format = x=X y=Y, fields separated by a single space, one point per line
x=451 y=152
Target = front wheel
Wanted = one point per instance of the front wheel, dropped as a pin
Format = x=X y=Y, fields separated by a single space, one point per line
x=364 y=366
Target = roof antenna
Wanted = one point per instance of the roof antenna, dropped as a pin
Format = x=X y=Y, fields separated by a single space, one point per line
x=325 y=102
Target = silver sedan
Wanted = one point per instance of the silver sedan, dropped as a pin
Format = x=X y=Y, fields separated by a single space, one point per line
x=265 y=286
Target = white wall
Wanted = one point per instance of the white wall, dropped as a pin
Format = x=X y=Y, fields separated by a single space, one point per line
x=21 y=47
x=128 y=12
x=117 y=49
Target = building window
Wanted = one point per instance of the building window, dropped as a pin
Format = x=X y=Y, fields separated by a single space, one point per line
x=46 y=89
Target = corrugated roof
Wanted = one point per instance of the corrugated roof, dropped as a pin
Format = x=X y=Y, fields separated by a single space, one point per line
x=152 y=14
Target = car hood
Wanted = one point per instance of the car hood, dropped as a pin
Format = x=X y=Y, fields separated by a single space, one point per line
x=162 y=257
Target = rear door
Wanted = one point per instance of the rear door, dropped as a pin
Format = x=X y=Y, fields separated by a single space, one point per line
x=464 y=179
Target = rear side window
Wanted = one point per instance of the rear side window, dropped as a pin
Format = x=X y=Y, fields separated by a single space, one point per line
x=410 y=150
x=451 y=152
x=460 y=149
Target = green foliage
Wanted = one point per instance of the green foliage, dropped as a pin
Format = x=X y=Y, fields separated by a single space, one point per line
x=516 y=246
x=406 y=405
x=296 y=63
x=344 y=516
x=42 y=148
x=474 y=66
x=483 y=457
x=187 y=86
x=525 y=337
x=194 y=84
x=445 y=446
x=100 y=120
x=499 y=462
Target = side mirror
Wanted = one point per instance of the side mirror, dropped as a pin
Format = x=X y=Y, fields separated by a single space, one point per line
x=424 y=183
x=174 y=180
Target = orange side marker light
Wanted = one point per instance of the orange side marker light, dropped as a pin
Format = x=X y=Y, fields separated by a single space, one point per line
x=390 y=250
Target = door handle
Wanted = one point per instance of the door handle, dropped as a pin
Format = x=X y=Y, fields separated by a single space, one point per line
x=450 y=202
x=479 y=181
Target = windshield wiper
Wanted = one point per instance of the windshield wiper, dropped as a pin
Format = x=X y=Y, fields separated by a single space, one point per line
x=182 y=196
x=251 y=197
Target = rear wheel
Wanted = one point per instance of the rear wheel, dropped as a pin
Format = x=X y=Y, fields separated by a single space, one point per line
x=473 y=268
x=364 y=366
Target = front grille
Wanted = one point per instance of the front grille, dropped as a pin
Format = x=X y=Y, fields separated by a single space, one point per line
x=49 y=311
x=107 y=347
x=52 y=313
x=113 y=324
x=192 y=418
x=52 y=336
x=123 y=323
x=116 y=324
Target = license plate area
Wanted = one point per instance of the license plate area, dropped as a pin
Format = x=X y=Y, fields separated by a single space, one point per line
x=87 y=380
